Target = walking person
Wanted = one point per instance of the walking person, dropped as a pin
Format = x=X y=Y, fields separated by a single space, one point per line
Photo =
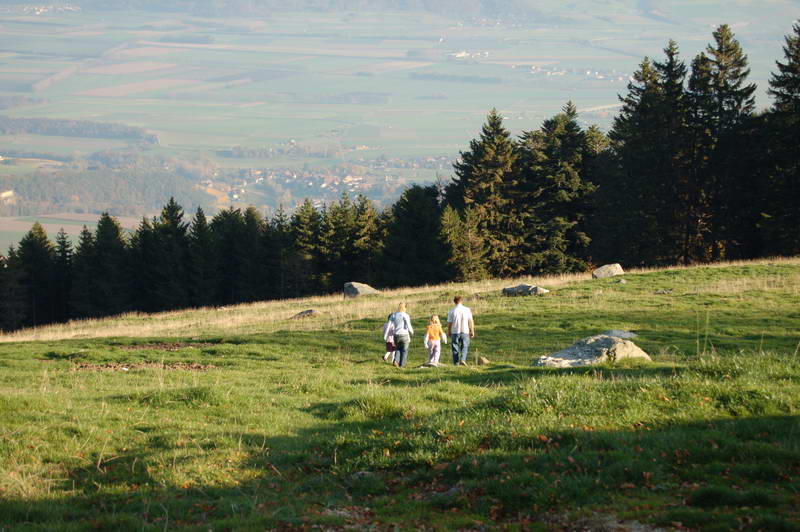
x=388 y=337
x=434 y=336
x=402 y=335
x=461 y=328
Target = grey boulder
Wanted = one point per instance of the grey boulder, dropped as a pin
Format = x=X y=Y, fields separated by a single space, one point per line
x=358 y=289
x=593 y=350
x=609 y=270
x=525 y=290
x=310 y=313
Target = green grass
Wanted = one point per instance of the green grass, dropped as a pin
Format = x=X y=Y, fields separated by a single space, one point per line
x=301 y=425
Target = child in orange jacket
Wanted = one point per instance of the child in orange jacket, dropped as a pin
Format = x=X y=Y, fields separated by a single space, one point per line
x=434 y=336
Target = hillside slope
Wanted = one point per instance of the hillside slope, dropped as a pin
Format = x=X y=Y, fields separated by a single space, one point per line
x=240 y=418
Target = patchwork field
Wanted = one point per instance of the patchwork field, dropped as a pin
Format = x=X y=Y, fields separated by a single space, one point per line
x=241 y=418
x=421 y=84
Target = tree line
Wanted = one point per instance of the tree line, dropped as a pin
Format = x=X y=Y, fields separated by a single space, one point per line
x=74 y=128
x=688 y=173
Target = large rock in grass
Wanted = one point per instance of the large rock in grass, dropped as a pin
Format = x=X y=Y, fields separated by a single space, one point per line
x=609 y=270
x=593 y=350
x=525 y=290
x=358 y=289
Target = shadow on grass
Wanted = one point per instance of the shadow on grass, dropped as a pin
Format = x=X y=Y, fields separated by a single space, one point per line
x=661 y=474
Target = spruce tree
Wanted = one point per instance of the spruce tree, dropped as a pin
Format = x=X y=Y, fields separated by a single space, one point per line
x=12 y=292
x=305 y=225
x=414 y=253
x=110 y=284
x=147 y=275
x=337 y=243
x=367 y=244
x=62 y=276
x=255 y=281
x=484 y=180
x=229 y=237
x=723 y=102
x=173 y=243
x=780 y=212
x=552 y=195
x=202 y=262
x=277 y=253
x=36 y=258
x=82 y=301
x=466 y=249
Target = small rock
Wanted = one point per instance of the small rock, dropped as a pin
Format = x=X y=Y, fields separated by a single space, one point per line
x=525 y=290
x=609 y=270
x=622 y=281
x=310 y=313
x=358 y=289
x=483 y=361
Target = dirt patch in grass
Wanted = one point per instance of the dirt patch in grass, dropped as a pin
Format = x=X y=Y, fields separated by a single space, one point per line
x=119 y=366
x=164 y=346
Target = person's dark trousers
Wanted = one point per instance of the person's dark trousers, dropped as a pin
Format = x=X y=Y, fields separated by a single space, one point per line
x=460 y=345
x=401 y=343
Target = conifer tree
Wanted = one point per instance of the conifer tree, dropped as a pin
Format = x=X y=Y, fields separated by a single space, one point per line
x=552 y=196
x=305 y=225
x=484 y=180
x=12 y=292
x=367 y=244
x=147 y=277
x=173 y=243
x=110 y=284
x=414 y=253
x=337 y=243
x=277 y=249
x=466 y=248
x=255 y=281
x=722 y=102
x=229 y=230
x=780 y=212
x=82 y=301
x=785 y=84
x=36 y=258
x=62 y=276
x=202 y=262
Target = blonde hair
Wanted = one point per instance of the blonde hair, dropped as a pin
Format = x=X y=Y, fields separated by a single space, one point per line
x=434 y=320
x=401 y=307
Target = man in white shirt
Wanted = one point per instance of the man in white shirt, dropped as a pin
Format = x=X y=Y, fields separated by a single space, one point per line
x=460 y=327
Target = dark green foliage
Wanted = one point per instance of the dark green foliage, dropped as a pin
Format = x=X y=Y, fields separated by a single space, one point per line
x=62 y=277
x=780 y=212
x=229 y=246
x=36 y=258
x=484 y=182
x=12 y=292
x=552 y=196
x=201 y=269
x=414 y=253
x=466 y=249
x=305 y=229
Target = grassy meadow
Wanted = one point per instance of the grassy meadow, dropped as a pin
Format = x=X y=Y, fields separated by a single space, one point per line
x=241 y=419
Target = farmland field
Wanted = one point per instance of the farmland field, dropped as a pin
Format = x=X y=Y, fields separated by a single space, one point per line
x=419 y=84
